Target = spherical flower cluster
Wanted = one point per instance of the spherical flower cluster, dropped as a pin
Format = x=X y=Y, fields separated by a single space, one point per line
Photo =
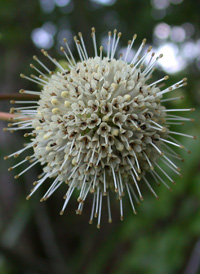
x=100 y=125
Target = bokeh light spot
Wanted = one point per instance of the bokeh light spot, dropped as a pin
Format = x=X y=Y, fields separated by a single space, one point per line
x=160 y=4
x=62 y=3
x=104 y=2
x=47 y=5
x=190 y=50
x=64 y=33
x=178 y=34
x=189 y=29
x=162 y=31
x=50 y=27
x=171 y=62
x=42 y=38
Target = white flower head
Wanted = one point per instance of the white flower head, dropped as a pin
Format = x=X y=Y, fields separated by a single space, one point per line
x=100 y=126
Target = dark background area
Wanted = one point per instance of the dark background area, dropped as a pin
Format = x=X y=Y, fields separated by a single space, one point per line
x=164 y=238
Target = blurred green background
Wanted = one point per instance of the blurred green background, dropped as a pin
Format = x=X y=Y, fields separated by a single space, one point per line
x=164 y=238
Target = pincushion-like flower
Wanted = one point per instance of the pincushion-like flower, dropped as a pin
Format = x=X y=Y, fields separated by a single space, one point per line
x=100 y=126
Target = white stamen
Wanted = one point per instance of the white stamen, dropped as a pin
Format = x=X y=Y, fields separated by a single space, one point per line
x=167 y=164
x=138 y=52
x=39 y=71
x=134 y=194
x=71 y=55
x=121 y=210
x=148 y=161
x=120 y=182
x=83 y=45
x=109 y=208
x=156 y=148
x=171 y=162
x=97 y=203
x=94 y=41
x=158 y=81
x=165 y=173
x=162 y=181
x=176 y=109
x=68 y=59
x=104 y=182
x=136 y=174
x=52 y=60
x=129 y=47
x=109 y=42
x=182 y=134
x=169 y=142
x=67 y=200
x=99 y=214
x=41 y=64
x=151 y=189
x=30 y=79
x=92 y=211
x=138 y=189
x=114 y=178
x=130 y=198
x=34 y=163
x=116 y=44
x=171 y=99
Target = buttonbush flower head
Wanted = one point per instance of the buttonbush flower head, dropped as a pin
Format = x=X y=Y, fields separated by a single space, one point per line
x=100 y=126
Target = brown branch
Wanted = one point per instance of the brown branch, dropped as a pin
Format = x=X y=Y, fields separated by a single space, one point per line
x=18 y=96
x=4 y=116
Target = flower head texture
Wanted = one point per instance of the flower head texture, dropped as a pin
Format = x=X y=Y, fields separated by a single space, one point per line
x=100 y=126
